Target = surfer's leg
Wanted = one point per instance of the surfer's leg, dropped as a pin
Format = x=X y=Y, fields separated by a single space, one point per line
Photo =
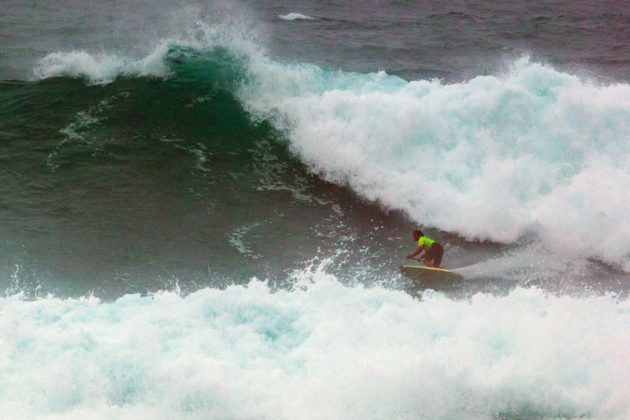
x=429 y=257
x=439 y=252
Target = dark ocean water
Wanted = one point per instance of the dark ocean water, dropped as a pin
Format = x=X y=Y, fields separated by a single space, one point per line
x=165 y=156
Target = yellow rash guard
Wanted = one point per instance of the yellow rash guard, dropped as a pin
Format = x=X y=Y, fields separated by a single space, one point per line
x=425 y=243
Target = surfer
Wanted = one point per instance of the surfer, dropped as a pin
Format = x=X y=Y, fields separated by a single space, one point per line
x=433 y=251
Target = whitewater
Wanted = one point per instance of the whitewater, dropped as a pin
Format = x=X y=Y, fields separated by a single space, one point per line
x=317 y=350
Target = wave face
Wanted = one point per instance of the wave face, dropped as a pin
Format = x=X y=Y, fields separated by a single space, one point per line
x=100 y=69
x=321 y=350
x=535 y=151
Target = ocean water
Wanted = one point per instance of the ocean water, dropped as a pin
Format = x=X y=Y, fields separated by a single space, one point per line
x=203 y=207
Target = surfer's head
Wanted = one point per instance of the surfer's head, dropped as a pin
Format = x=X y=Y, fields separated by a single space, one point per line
x=417 y=234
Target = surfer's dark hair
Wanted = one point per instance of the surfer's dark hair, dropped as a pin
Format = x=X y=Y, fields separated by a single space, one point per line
x=419 y=232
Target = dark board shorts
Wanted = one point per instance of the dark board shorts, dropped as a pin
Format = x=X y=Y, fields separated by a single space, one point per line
x=435 y=254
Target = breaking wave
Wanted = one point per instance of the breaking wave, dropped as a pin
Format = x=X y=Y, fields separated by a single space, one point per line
x=534 y=152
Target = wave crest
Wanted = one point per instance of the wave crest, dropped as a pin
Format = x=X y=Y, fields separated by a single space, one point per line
x=103 y=68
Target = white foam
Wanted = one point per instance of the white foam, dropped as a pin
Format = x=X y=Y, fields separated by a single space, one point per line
x=320 y=351
x=295 y=16
x=535 y=151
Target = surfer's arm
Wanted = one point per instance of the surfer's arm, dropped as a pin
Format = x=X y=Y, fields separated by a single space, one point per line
x=416 y=252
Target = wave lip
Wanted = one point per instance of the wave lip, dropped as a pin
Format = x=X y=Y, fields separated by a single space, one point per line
x=232 y=30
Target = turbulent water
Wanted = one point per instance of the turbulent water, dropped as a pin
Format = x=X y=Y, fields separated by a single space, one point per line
x=203 y=207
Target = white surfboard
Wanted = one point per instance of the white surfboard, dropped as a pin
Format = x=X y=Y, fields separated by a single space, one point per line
x=429 y=273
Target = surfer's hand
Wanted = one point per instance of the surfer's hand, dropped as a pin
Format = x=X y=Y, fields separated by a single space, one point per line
x=409 y=257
